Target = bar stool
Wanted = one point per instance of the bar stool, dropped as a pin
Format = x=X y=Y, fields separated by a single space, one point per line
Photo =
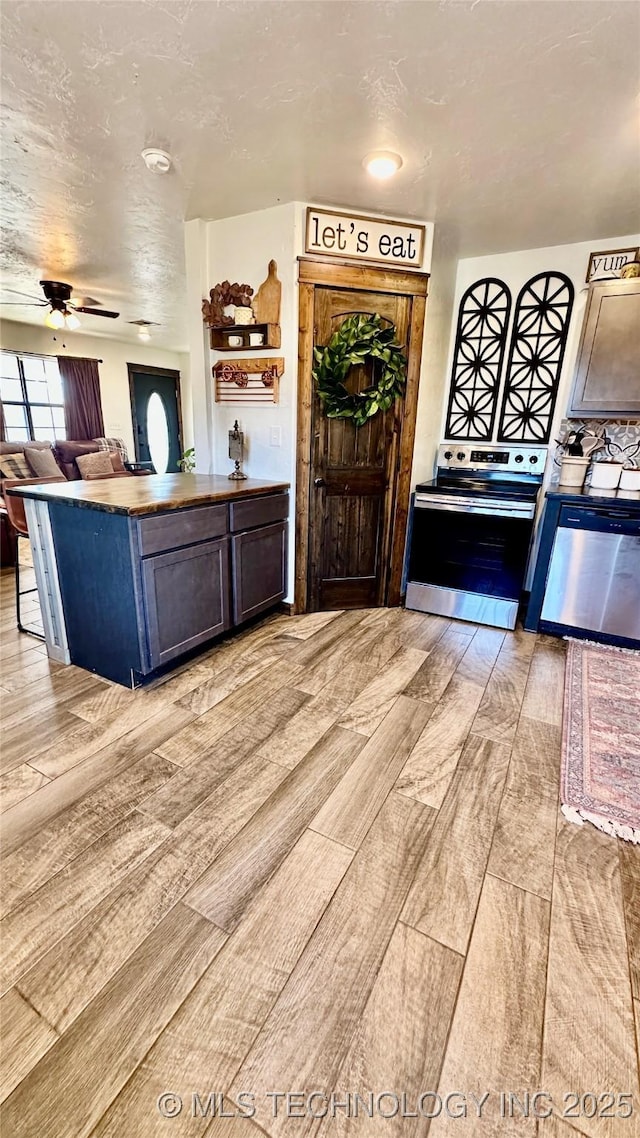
x=16 y=513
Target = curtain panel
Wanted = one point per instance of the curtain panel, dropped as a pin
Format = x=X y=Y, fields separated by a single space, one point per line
x=82 y=404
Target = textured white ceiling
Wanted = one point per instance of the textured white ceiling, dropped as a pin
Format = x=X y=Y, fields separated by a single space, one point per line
x=518 y=124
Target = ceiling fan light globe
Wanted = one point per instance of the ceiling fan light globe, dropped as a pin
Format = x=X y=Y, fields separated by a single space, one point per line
x=54 y=319
x=71 y=321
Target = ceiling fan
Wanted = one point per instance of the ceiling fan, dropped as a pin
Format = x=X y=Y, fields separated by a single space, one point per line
x=62 y=309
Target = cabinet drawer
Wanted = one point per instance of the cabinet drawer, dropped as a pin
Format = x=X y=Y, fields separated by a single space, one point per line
x=181 y=527
x=258 y=511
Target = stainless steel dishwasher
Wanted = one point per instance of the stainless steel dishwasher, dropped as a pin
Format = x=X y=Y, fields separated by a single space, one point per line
x=594 y=573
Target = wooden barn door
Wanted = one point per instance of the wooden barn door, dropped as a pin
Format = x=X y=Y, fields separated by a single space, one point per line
x=356 y=479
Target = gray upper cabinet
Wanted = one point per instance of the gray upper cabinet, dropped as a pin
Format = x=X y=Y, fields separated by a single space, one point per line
x=607 y=381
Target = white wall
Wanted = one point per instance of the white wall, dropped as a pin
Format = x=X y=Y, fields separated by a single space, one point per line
x=239 y=249
x=433 y=373
x=114 y=379
x=515 y=269
x=200 y=395
x=186 y=395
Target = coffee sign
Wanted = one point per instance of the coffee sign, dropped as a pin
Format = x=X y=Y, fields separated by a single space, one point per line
x=364 y=238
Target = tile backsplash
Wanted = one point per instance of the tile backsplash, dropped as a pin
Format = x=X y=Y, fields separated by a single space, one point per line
x=622 y=441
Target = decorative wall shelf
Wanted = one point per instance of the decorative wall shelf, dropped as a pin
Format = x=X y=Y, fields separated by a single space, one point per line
x=248 y=380
x=220 y=337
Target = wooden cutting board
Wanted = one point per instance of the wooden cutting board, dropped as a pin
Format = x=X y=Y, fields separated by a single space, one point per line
x=266 y=303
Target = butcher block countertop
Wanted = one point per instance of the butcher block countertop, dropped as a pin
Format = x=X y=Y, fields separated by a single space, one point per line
x=150 y=493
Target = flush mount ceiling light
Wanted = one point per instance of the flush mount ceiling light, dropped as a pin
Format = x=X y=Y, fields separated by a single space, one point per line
x=144 y=328
x=158 y=161
x=382 y=164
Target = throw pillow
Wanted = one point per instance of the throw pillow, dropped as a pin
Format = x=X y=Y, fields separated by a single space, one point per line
x=66 y=454
x=42 y=463
x=14 y=466
x=116 y=462
x=94 y=464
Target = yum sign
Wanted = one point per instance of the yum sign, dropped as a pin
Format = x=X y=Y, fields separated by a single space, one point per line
x=609 y=263
x=364 y=238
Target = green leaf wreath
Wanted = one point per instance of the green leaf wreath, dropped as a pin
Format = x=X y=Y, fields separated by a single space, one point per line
x=359 y=338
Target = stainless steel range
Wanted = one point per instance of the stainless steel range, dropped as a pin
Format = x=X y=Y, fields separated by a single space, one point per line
x=471 y=532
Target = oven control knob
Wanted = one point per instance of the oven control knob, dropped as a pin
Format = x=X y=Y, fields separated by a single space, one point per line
x=460 y=455
x=518 y=458
x=448 y=454
x=533 y=459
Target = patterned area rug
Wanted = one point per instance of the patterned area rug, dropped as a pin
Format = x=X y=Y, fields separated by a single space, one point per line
x=601 y=739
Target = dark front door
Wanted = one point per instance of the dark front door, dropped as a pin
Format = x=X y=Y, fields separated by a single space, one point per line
x=155 y=407
x=354 y=471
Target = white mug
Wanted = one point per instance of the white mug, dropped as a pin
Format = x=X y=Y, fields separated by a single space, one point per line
x=256 y=339
x=234 y=341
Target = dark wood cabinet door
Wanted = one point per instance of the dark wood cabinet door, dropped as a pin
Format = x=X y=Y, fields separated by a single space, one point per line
x=186 y=598
x=259 y=566
x=353 y=480
x=608 y=368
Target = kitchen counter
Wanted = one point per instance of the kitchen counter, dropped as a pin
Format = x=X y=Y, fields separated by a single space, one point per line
x=585 y=495
x=135 y=573
x=150 y=493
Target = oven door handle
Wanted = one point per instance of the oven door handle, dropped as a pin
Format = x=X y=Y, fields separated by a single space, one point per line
x=498 y=511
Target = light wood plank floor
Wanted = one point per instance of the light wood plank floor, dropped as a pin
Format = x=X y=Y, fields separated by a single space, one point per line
x=325 y=858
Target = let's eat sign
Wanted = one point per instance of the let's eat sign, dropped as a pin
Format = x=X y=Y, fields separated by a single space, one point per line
x=364 y=238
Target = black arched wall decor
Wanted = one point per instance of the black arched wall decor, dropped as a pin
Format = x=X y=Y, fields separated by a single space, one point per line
x=483 y=319
x=538 y=342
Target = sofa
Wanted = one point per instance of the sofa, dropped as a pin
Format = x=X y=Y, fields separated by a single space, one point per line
x=65 y=453
x=48 y=461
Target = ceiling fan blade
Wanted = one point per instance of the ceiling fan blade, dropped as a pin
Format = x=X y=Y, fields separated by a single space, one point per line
x=24 y=303
x=97 y=312
x=17 y=292
x=89 y=301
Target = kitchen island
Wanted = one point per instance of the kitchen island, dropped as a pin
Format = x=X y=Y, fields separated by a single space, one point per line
x=134 y=573
x=587 y=574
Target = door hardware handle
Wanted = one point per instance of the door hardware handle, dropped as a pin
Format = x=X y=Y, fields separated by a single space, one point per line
x=319 y=482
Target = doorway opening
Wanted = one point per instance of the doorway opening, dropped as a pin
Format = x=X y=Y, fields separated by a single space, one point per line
x=157 y=416
x=353 y=483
